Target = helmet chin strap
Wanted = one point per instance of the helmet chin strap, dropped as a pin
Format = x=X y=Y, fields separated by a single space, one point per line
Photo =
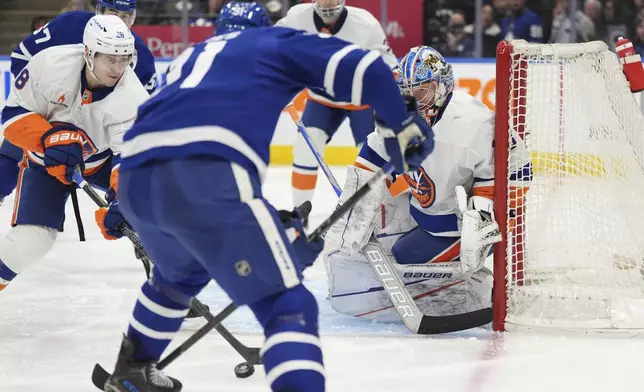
x=90 y=67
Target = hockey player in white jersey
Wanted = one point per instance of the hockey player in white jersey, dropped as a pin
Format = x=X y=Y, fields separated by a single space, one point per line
x=322 y=117
x=437 y=238
x=68 y=108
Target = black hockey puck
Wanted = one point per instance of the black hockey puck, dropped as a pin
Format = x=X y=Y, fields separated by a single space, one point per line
x=244 y=370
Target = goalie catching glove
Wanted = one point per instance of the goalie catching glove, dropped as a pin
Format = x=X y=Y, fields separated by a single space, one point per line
x=411 y=145
x=479 y=230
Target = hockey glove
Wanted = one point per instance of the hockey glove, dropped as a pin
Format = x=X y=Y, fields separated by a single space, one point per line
x=414 y=132
x=479 y=231
x=306 y=251
x=110 y=219
x=63 y=146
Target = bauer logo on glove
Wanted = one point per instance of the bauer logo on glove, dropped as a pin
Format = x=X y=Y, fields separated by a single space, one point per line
x=63 y=147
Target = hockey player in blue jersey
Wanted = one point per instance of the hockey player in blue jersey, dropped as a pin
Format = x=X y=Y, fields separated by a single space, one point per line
x=190 y=185
x=67 y=29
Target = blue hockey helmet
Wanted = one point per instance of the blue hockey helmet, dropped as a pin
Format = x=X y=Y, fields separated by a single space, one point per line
x=424 y=74
x=124 y=9
x=237 y=15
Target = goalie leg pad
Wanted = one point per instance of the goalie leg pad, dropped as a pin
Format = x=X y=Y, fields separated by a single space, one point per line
x=355 y=228
x=419 y=247
x=292 y=352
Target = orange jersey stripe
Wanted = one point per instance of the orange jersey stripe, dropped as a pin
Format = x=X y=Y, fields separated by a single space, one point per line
x=114 y=180
x=347 y=106
x=484 y=191
x=449 y=254
x=399 y=187
x=16 y=203
x=27 y=131
x=361 y=166
x=303 y=181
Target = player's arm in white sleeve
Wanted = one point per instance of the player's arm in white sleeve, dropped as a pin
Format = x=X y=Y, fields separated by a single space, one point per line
x=479 y=230
x=378 y=42
x=24 y=115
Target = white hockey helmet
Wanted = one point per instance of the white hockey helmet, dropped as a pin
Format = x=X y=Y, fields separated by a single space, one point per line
x=107 y=34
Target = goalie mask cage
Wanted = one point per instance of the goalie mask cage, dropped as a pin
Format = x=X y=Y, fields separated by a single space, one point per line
x=570 y=185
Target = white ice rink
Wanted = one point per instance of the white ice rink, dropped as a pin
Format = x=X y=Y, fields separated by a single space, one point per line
x=68 y=312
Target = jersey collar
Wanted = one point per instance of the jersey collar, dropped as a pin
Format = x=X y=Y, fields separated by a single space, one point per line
x=335 y=28
x=92 y=95
x=437 y=118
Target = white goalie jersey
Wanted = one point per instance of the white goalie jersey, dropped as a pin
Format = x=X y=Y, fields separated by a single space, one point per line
x=463 y=156
x=52 y=87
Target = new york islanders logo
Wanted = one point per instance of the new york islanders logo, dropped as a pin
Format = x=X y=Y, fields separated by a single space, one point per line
x=422 y=187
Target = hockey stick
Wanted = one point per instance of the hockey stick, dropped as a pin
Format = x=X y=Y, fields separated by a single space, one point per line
x=382 y=267
x=413 y=318
x=325 y=168
x=100 y=375
x=124 y=228
x=253 y=357
x=77 y=215
x=250 y=355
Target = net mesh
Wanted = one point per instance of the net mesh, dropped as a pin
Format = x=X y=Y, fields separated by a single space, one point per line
x=575 y=191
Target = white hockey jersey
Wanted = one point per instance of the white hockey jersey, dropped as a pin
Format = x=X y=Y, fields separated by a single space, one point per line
x=52 y=88
x=463 y=155
x=355 y=25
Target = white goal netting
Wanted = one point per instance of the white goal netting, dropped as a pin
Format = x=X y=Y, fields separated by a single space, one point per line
x=575 y=224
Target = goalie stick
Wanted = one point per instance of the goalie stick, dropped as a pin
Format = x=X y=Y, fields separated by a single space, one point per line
x=405 y=305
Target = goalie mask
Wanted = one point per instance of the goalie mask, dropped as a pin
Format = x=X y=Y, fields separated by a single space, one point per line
x=109 y=47
x=424 y=74
x=328 y=10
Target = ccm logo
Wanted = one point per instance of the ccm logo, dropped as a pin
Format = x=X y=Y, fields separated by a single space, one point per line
x=61 y=137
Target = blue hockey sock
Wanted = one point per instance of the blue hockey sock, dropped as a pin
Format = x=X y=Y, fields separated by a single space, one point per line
x=6 y=275
x=292 y=351
x=155 y=321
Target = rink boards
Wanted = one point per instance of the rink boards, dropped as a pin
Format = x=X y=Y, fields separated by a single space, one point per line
x=477 y=77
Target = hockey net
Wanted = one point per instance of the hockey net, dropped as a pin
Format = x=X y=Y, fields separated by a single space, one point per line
x=570 y=190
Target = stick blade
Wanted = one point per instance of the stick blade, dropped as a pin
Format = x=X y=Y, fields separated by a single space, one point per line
x=458 y=322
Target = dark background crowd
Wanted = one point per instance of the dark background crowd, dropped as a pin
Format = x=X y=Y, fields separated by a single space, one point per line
x=449 y=24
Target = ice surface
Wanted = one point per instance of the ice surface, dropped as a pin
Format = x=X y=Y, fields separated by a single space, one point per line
x=68 y=312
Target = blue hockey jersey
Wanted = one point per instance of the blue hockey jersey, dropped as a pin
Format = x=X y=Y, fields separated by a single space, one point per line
x=224 y=96
x=525 y=25
x=68 y=29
